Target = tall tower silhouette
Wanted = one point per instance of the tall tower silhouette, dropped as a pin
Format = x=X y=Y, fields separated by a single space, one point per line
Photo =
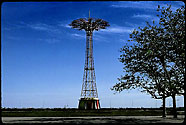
x=89 y=96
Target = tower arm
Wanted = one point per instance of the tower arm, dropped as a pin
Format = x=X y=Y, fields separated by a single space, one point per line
x=79 y=24
x=100 y=24
x=89 y=24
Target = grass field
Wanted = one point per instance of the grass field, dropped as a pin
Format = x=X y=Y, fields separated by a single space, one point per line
x=59 y=112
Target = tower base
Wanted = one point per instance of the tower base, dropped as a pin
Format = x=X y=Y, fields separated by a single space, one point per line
x=89 y=103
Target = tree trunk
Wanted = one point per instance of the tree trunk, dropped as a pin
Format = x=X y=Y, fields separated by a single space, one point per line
x=174 y=106
x=164 y=108
x=184 y=106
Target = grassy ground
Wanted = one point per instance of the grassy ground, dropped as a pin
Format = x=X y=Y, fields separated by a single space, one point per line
x=76 y=112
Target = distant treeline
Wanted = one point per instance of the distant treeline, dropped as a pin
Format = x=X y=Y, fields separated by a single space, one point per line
x=62 y=109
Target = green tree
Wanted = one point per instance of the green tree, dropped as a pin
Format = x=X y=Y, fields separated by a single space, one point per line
x=155 y=62
x=174 y=31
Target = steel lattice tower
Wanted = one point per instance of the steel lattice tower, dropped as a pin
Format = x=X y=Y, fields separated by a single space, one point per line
x=89 y=95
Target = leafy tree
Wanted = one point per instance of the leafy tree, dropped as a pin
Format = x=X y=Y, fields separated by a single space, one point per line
x=155 y=62
x=174 y=31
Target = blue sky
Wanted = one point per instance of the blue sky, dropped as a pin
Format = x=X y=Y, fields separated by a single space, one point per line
x=42 y=58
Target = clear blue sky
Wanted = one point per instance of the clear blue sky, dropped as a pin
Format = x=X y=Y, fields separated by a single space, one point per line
x=42 y=58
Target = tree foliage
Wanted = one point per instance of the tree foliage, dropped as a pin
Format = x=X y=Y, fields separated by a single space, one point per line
x=155 y=62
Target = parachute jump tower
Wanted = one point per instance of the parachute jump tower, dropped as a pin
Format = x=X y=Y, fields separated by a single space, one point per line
x=89 y=96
